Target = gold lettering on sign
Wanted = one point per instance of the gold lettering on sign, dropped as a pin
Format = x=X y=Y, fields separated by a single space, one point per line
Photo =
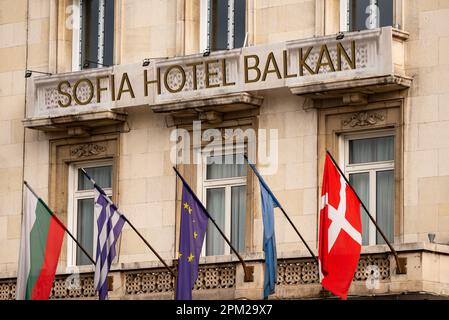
x=225 y=74
x=194 y=66
x=285 y=62
x=112 y=82
x=90 y=94
x=183 y=78
x=254 y=67
x=65 y=94
x=129 y=89
x=100 y=88
x=324 y=51
x=302 y=62
x=271 y=60
x=146 y=82
x=311 y=61
x=341 y=51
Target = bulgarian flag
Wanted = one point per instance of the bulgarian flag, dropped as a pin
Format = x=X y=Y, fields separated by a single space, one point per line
x=40 y=246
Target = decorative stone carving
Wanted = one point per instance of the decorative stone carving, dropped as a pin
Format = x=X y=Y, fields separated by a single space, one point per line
x=159 y=281
x=86 y=150
x=362 y=119
x=300 y=271
x=84 y=289
x=8 y=289
x=60 y=289
x=291 y=272
x=297 y=272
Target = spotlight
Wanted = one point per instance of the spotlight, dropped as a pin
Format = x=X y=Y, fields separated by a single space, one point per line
x=431 y=237
x=146 y=62
x=87 y=63
x=28 y=73
x=340 y=36
x=206 y=52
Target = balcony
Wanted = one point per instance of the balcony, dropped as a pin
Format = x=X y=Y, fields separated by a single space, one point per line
x=225 y=82
x=221 y=278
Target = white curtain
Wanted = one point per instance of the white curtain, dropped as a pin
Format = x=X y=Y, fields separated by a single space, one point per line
x=101 y=175
x=85 y=230
x=238 y=217
x=216 y=208
x=228 y=166
x=85 y=210
x=385 y=204
x=371 y=150
x=360 y=182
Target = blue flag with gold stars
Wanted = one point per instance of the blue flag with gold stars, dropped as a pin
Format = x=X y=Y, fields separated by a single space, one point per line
x=193 y=228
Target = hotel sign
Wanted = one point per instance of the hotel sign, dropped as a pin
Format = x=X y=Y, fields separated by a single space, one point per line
x=179 y=79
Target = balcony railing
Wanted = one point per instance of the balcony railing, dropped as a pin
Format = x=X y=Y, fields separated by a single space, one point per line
x=366 y=61
x=298 y=278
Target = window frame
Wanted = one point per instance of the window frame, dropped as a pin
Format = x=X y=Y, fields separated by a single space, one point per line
x=77 y=48
x=227 y=183
x=72 y=205
x=371 y=168
x=205 y=25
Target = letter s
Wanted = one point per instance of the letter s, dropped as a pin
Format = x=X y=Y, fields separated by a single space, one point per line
x=69 y=97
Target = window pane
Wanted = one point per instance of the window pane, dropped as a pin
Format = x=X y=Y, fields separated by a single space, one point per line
x=238 y=218
x=225 y=166
x=362 y=16
x=360 y=182
x=108 y=52
x=371 y=150
x=216 y=208
x=239 y=23
x=385 y=204
x=101 y=175
x=89 y=37
x=386 y=12
x=219 y=24
x=85 y=230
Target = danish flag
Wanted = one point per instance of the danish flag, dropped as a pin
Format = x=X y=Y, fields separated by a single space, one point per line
x=340 y=233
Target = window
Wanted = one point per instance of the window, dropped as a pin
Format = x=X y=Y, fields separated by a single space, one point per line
x=82 y=221
x=366 y=14
x=369 y=162
x=224 y=194
x=223 y=24
x=93 y=36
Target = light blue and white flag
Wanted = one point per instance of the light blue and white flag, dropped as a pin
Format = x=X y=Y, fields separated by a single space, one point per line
x=269 y=202
x=110 y=223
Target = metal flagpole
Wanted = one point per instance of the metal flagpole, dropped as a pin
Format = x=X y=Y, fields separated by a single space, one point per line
x=132 y=226
x=249 y=277
x=400 y=265
x=60 y=223
x=285 y=213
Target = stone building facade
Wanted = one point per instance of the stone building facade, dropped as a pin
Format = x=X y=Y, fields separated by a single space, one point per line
x=124 y=74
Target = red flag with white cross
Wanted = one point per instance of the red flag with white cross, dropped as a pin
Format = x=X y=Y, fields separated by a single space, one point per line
x=340 y=232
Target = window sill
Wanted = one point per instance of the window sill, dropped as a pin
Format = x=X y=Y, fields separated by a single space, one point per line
x=401 y=35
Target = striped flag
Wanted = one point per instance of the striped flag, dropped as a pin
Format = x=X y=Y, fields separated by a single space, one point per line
x=110 y=223
x=40 y=246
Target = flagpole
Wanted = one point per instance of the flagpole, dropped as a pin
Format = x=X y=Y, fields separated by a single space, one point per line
x=60 y=223
x=285 y=214
x=249 y=277
x=398 y=263
x=131 y=225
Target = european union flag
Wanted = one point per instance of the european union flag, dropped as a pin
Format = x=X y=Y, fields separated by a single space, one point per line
x=193 y=228
x=269 y=202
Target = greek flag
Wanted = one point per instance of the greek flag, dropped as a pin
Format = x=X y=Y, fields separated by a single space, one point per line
x=110 y=223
